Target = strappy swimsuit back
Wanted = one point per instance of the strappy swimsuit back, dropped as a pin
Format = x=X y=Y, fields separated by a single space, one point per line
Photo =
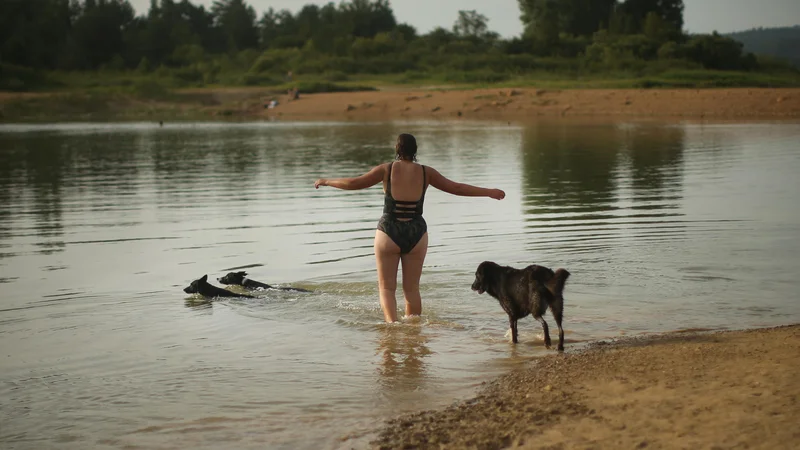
x=402 y=220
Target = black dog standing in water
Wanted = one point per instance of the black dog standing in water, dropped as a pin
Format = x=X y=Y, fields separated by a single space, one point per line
x=205 y=289
x=525 y=291
x=240 y=279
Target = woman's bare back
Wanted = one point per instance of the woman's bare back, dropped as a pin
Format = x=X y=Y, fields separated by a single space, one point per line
x=407 y=180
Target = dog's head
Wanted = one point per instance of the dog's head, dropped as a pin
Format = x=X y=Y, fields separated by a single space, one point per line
x=236 y=278
x=195 y=287
x=484 y=276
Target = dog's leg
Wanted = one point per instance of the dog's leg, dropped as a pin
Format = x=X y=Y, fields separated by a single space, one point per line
x=546 y=331
x=513 y=323
x=557 y=314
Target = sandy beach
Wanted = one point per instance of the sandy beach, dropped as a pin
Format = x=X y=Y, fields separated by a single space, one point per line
x=393 y=103
x=514 y=104
x=717 y=390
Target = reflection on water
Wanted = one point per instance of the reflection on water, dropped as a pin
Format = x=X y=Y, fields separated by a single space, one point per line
x=663 y=227
x=565 y=169
x=403 y=351
x=582 y=174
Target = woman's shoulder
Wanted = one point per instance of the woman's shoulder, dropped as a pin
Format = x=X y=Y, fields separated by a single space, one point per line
x=429 y=169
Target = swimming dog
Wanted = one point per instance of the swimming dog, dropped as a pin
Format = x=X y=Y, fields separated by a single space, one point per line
x=521 y=292
x=240 y=279
x=205 y=289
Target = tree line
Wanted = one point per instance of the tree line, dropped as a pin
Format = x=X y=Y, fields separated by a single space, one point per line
x=354 y=36
x=781 y=42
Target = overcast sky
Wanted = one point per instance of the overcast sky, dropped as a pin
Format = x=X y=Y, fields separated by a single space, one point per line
x=700 y=16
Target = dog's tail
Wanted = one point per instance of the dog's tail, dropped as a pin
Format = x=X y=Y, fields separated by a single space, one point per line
x=556 y=284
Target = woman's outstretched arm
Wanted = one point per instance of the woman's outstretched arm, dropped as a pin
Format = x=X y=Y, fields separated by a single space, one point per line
x=369 y=179
x=442 y=183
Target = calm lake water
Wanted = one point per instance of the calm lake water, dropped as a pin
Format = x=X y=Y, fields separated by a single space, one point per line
x=663 y=227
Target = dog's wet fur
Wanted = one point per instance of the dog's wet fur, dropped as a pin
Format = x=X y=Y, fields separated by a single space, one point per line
x=240 y=279
x=202 y=287
x=522 y=292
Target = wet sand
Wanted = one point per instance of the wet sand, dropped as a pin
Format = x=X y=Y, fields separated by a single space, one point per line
x=513 y=104
x=682 y=390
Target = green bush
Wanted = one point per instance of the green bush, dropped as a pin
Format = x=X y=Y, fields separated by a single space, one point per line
x=717 y=52
x=144 y=66
x=572 y=46
x=475 y=77
x=716 y=78
x=671 y=50
x=388 y=64
x=150 y=89
x=327 y=64
x=772 y=63
x=335 y=75
x=186 y=55
x=275 y=61
x=320 y=87
x=188 y=76
x=16 y=78
x=257 y=79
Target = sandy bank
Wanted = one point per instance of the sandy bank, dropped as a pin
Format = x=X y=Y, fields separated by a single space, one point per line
x=239 y=103
x=682 y=390
x=515 y=104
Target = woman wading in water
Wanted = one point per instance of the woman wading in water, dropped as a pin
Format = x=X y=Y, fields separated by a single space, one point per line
x=402 y=235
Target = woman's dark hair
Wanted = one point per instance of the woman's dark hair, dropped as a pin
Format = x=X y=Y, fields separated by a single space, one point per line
x=406 y=148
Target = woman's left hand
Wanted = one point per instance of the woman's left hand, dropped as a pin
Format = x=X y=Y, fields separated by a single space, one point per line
x=320 y=182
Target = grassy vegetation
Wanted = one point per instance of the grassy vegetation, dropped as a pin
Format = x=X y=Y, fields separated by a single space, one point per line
x=85 y=59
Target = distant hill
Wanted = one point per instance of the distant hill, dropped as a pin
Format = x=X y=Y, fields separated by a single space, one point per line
x=780 y=42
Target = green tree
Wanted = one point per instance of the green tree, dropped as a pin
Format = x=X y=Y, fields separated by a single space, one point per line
x=585 y=17
x=33 y=32
x=365 y=18
x=237 y=24
x=575 y=17
x=632 y=14
x=471 y=24
x=542 y=23
x=408 y=32
x=98 y=33
x=658 y=29
x=718 y=52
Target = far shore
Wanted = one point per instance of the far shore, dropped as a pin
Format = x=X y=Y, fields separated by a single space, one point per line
x=735 y=389
x=521 y=104
x=434 y=103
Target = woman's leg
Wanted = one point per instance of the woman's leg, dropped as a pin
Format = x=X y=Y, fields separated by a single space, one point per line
x=412 y=271
x=387 y=256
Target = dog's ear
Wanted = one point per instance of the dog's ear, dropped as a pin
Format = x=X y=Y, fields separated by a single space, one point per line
x=484 y=272
x=204 y=279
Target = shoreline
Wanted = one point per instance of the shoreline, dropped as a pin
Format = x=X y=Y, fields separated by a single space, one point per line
x=508 y=104
x=695 y=389
x=520 y=104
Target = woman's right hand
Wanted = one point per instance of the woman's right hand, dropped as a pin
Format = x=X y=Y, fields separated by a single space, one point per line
x=497 y=194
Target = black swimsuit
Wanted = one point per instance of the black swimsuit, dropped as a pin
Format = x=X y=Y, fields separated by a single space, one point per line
x=405 y=233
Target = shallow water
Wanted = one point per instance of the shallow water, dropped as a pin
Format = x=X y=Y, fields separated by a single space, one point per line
x=663 y=227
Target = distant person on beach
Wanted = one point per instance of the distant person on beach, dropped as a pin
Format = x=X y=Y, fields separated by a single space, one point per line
x=402 y=235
